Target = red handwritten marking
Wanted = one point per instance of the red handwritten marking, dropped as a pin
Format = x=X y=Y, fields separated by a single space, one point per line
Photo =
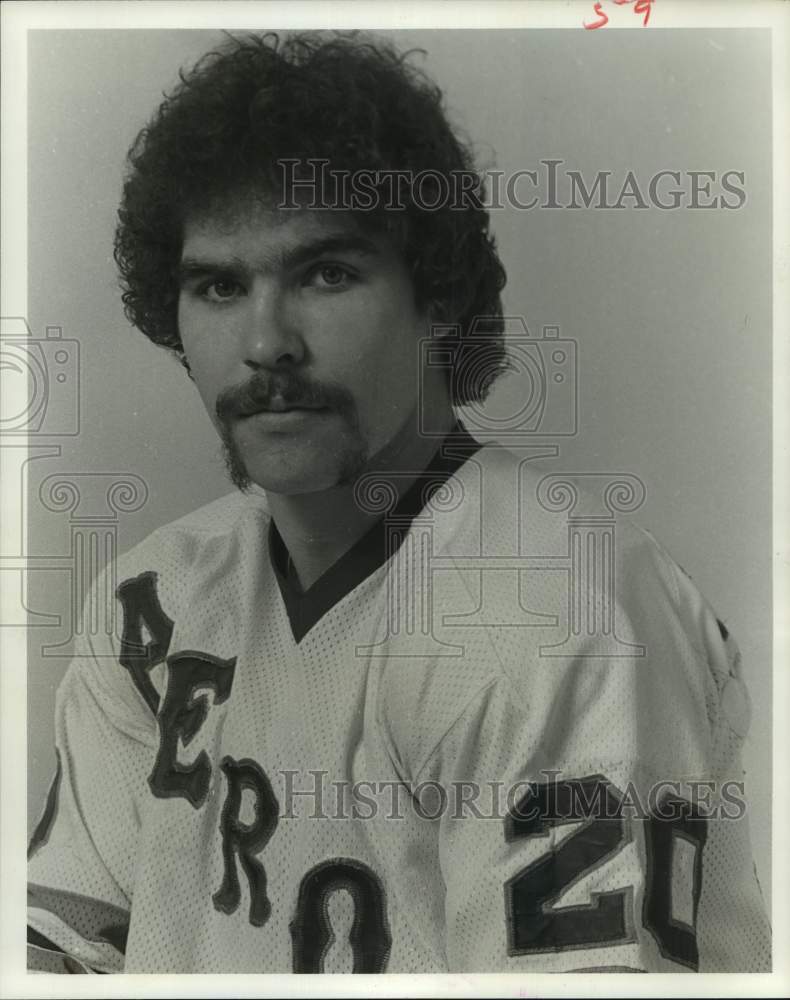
x=599 y=11
x=640 y=7
x=644 y=7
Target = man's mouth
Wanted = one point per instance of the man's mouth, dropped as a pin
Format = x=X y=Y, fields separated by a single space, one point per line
x=283 y=413
x=279 y=405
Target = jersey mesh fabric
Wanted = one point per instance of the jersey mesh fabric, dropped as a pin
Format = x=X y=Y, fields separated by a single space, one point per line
x=358 y=700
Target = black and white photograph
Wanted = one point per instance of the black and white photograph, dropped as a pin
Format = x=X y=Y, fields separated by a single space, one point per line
x=394 y=541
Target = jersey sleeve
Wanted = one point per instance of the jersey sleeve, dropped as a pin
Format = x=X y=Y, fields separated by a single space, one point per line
x=83 y=850
x=596 y=816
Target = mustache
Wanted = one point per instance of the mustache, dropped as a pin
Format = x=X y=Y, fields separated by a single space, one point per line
x=263 y=387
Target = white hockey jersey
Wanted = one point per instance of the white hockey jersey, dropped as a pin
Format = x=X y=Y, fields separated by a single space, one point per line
x=502 y=734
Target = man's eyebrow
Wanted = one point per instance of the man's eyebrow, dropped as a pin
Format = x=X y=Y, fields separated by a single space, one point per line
x=192 y=266
x=329 y=244
x=197 y=266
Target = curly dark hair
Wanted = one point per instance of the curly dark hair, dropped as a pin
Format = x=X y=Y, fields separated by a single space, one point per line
x=258 y=100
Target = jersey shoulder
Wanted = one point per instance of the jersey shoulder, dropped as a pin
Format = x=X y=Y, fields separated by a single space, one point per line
x=181 y=556
x=582 y=638
x=188 y=537
x=205 y=558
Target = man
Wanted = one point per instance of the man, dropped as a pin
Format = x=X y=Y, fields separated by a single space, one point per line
x=332 y=737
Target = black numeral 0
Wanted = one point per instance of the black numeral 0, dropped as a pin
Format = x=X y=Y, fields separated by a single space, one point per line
x=676 y=940
x=311 y=931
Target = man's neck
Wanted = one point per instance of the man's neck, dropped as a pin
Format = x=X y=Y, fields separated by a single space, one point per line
x=318 y=528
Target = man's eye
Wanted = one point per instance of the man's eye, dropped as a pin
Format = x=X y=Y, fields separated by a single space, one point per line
x=330 y=276
x=220 y=290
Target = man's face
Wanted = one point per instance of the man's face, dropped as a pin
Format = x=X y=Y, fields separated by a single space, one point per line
x=301 y=334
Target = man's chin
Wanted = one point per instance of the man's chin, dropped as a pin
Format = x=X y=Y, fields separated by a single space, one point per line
x=294 y=475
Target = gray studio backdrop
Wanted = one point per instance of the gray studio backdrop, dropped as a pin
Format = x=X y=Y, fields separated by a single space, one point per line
x=671 y=310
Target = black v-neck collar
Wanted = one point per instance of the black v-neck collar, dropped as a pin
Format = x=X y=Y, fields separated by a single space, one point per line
x=306 y=608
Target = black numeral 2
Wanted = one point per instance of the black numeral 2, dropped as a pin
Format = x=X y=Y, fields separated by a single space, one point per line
x=535 y=926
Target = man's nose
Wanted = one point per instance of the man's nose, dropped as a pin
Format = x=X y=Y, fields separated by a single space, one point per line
x=273 y=337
